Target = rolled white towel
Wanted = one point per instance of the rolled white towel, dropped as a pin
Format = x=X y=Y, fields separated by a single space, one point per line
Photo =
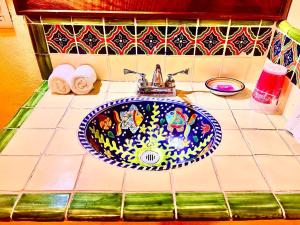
x=83 y=80
x=60 y=79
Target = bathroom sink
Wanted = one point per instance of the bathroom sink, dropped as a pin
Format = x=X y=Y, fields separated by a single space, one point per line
x=148 y=133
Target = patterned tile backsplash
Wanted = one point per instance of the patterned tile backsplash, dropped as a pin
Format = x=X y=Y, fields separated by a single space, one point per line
x=234 y=40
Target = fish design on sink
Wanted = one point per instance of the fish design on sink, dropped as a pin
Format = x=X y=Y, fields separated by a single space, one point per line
x=148 y=133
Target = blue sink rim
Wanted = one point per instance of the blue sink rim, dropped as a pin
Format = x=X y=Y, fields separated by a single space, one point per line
x=87 y=119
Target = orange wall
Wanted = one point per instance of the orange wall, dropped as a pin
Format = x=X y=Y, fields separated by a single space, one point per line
x=19 y=73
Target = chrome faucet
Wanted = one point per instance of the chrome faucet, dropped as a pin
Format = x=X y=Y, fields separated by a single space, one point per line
x=157 y=87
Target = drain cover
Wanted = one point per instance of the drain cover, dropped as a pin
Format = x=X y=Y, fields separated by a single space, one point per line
x=150 y=157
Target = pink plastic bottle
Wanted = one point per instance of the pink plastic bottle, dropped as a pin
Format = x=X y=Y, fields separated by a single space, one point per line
x=268 y=88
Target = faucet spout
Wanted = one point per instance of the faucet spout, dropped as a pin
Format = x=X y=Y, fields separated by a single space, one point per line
x=157 y=79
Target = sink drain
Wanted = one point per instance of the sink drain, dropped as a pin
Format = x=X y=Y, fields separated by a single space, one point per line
x=150 y=157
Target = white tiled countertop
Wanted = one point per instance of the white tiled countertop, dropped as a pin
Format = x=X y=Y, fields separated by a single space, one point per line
x=256 y=153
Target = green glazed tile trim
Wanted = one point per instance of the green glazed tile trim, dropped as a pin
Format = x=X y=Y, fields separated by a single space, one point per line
x=294 y=33
x=267 y=23
x=201 y=206
x=45 y=65
x=119 y=22
x=182 y=22
x=19 y=118
x=34 y=99
x=50 y=20
x=290 y=204
x=291 y=31
x=5 y=137
x=7 y=202
x=41 y=207
x=87 y=21
x=213 y=23
x=151 y=22
x=245 y=206
x=245 y=23
x=148 y=206
x=95 y=206
x=38 y=38
x=43 y=87
x=284 y=26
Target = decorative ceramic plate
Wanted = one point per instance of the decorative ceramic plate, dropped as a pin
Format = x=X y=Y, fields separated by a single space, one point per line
x=148 y=133
x=224 y=86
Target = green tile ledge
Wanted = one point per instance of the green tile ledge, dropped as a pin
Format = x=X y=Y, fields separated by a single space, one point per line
x=7 y=202
x=95 y=207
x=201 y=206
x=258 y=206
x=41 y=207
x=291 y=31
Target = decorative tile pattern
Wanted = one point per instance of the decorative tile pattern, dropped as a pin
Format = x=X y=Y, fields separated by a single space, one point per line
x=19 y=118
x=95 y=207
x=246 y=206
x=180 y=40
x=289 y=54
x=151 y=40
x=263 y=41
x=120 y=40
x=5 y=137
x=241 y=40
x=211 y=40
x=148 y=206
x=41 y=207
x=90 y=39
x=201 y=206
x=291 y=205
x=60 y=38
x=6 y=206
x=276 y=47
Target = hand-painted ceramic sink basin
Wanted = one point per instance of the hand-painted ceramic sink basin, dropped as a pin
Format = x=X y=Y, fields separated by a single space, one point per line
x=149 y=133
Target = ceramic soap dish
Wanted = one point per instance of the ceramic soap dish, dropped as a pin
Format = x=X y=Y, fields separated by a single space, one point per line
x=224 y=86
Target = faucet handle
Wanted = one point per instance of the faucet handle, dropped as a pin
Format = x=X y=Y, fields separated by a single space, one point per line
x=186 y=71
x=142 y=81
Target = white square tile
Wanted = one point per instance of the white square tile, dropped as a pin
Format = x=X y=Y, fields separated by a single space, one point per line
x=97 y=175
x=111 y=96
x=184 y=86
x=210 y=101
x=232 y=143
x=88 y=101
x=123 y=86
x=73 y=118
x=54 y=101
x=44 y=118
x=103 y=86
x=282 y=172
x=147 y=181
x=241 y=100
x=291 y=141
x=199 y=86
x=55 y=173
x=184 y=178
x=251 y=119
x=15 y=171
x=225 y=119
x=29 y=142
x=65 y=142
x=266 y=142
x=278 y=121
x=239 y=173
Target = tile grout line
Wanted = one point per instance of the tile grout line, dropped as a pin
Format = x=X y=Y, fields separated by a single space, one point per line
x=123 y=191
x=221 y=188
x=74 y=36
x=72 y=193
x=15 y=205
x=173 y=194
x=225 y=47
x=250 y=148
